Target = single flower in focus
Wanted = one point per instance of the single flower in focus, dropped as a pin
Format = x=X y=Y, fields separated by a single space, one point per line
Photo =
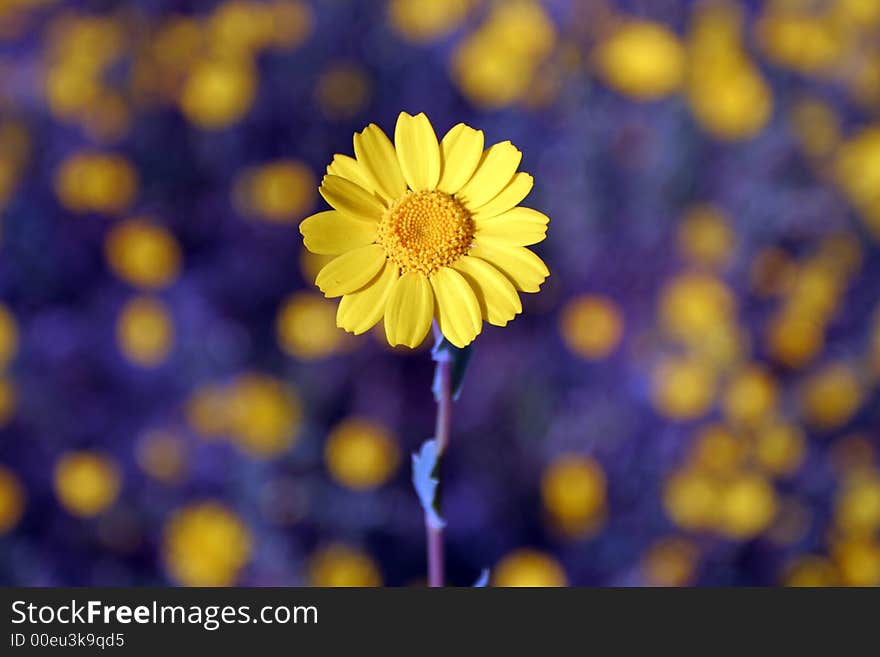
x=425 y=230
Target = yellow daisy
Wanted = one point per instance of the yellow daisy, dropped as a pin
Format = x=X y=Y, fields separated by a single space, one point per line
x=423 y=230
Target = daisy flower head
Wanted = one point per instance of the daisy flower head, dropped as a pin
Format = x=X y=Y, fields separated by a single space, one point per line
x=426 y=230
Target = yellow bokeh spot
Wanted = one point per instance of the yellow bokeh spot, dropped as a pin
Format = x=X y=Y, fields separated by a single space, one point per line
x=96 y=182
x=801 y=42
x=162 y=455
x=857 y=167
x=306 y=327
x=750 y=395
x=718 y=450
x=86 y=482
x=206 y=544
x=143 y=253
x=811 y=571
x=704 y=237
x=591 y=326
x=683 y=388
x=8 y=337
x=573 y=492
x=779 y=447
x=642 y=60
x=691 y=498
x=145 y=331
x=858 y=561
x=12 y=500
x=422 y=21
x=281 y=191
x=264 y=415
x=857 y=509
x=794 y=338
x=343 y=90
x=727 y=94
x=530 y=568
x=8 y=400
x=831 y=396
x=361 y=454
x=694 y=305
x=218 y=92
x=816 y=126
x=207 y=411
x=495 y=66
x=747 y=506
x=670 y=562
x=292 y=23
x=340 y=565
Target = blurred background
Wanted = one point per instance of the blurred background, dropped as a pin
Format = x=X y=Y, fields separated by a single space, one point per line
x=692 y=398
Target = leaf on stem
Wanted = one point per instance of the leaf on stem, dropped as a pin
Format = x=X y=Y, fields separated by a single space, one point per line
x=424 y=464
x=483 y=579
x=444 y=351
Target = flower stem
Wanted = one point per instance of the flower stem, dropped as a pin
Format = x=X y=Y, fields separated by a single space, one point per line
x=441 y=435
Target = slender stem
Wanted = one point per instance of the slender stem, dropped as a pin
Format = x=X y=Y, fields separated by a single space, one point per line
x=441 y=435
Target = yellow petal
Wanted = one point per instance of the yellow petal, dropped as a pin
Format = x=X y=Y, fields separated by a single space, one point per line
x=510 y=197
x=350 y=271
x=377 y=158
x=499 y=302
x=351 y=199
x=409 y=310
x=332 y=233
x=493 y=174
x=458 y=311
x=524 y=269
x=516 y=227
x=460 y=151
x=360 y=311
x=417 y=151
x=348 y=168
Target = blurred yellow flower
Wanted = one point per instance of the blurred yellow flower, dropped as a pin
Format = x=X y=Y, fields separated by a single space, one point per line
x=12 y=500
x=343 y=90
x=206 y=544
x=306 y=327
x=361 y=454
x=857 y=508
x=143 y=253
x=831 y=396
x=426 y=230
x=694 y=306
x=692 y=499
x=858 y=560
x=747 y=506
x=705 y=238
x=86 y=482
x=8 y=400
x=264 y=415
x=749 y=397
x=8 y=336
x=573 y=492
x=162 y=455
x=96 y=182
x=422 y=21
x=280 y=191
x=527 y=567
x=591 y=326
x=717 y=450
x=811 y=571
x=779 y=447
x=670 y=562
x=341 y=565
x=641 y=59
x=219 y=92
x=683 y=388
x=496 y=65
x=145 y=331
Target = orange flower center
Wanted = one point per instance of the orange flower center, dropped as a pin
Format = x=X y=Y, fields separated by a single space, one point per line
x=424 y=231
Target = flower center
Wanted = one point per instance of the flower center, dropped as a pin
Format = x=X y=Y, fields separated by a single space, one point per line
x=424 y=231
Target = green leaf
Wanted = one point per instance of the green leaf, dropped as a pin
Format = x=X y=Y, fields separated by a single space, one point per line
x=424 y=465
x=444 y=351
